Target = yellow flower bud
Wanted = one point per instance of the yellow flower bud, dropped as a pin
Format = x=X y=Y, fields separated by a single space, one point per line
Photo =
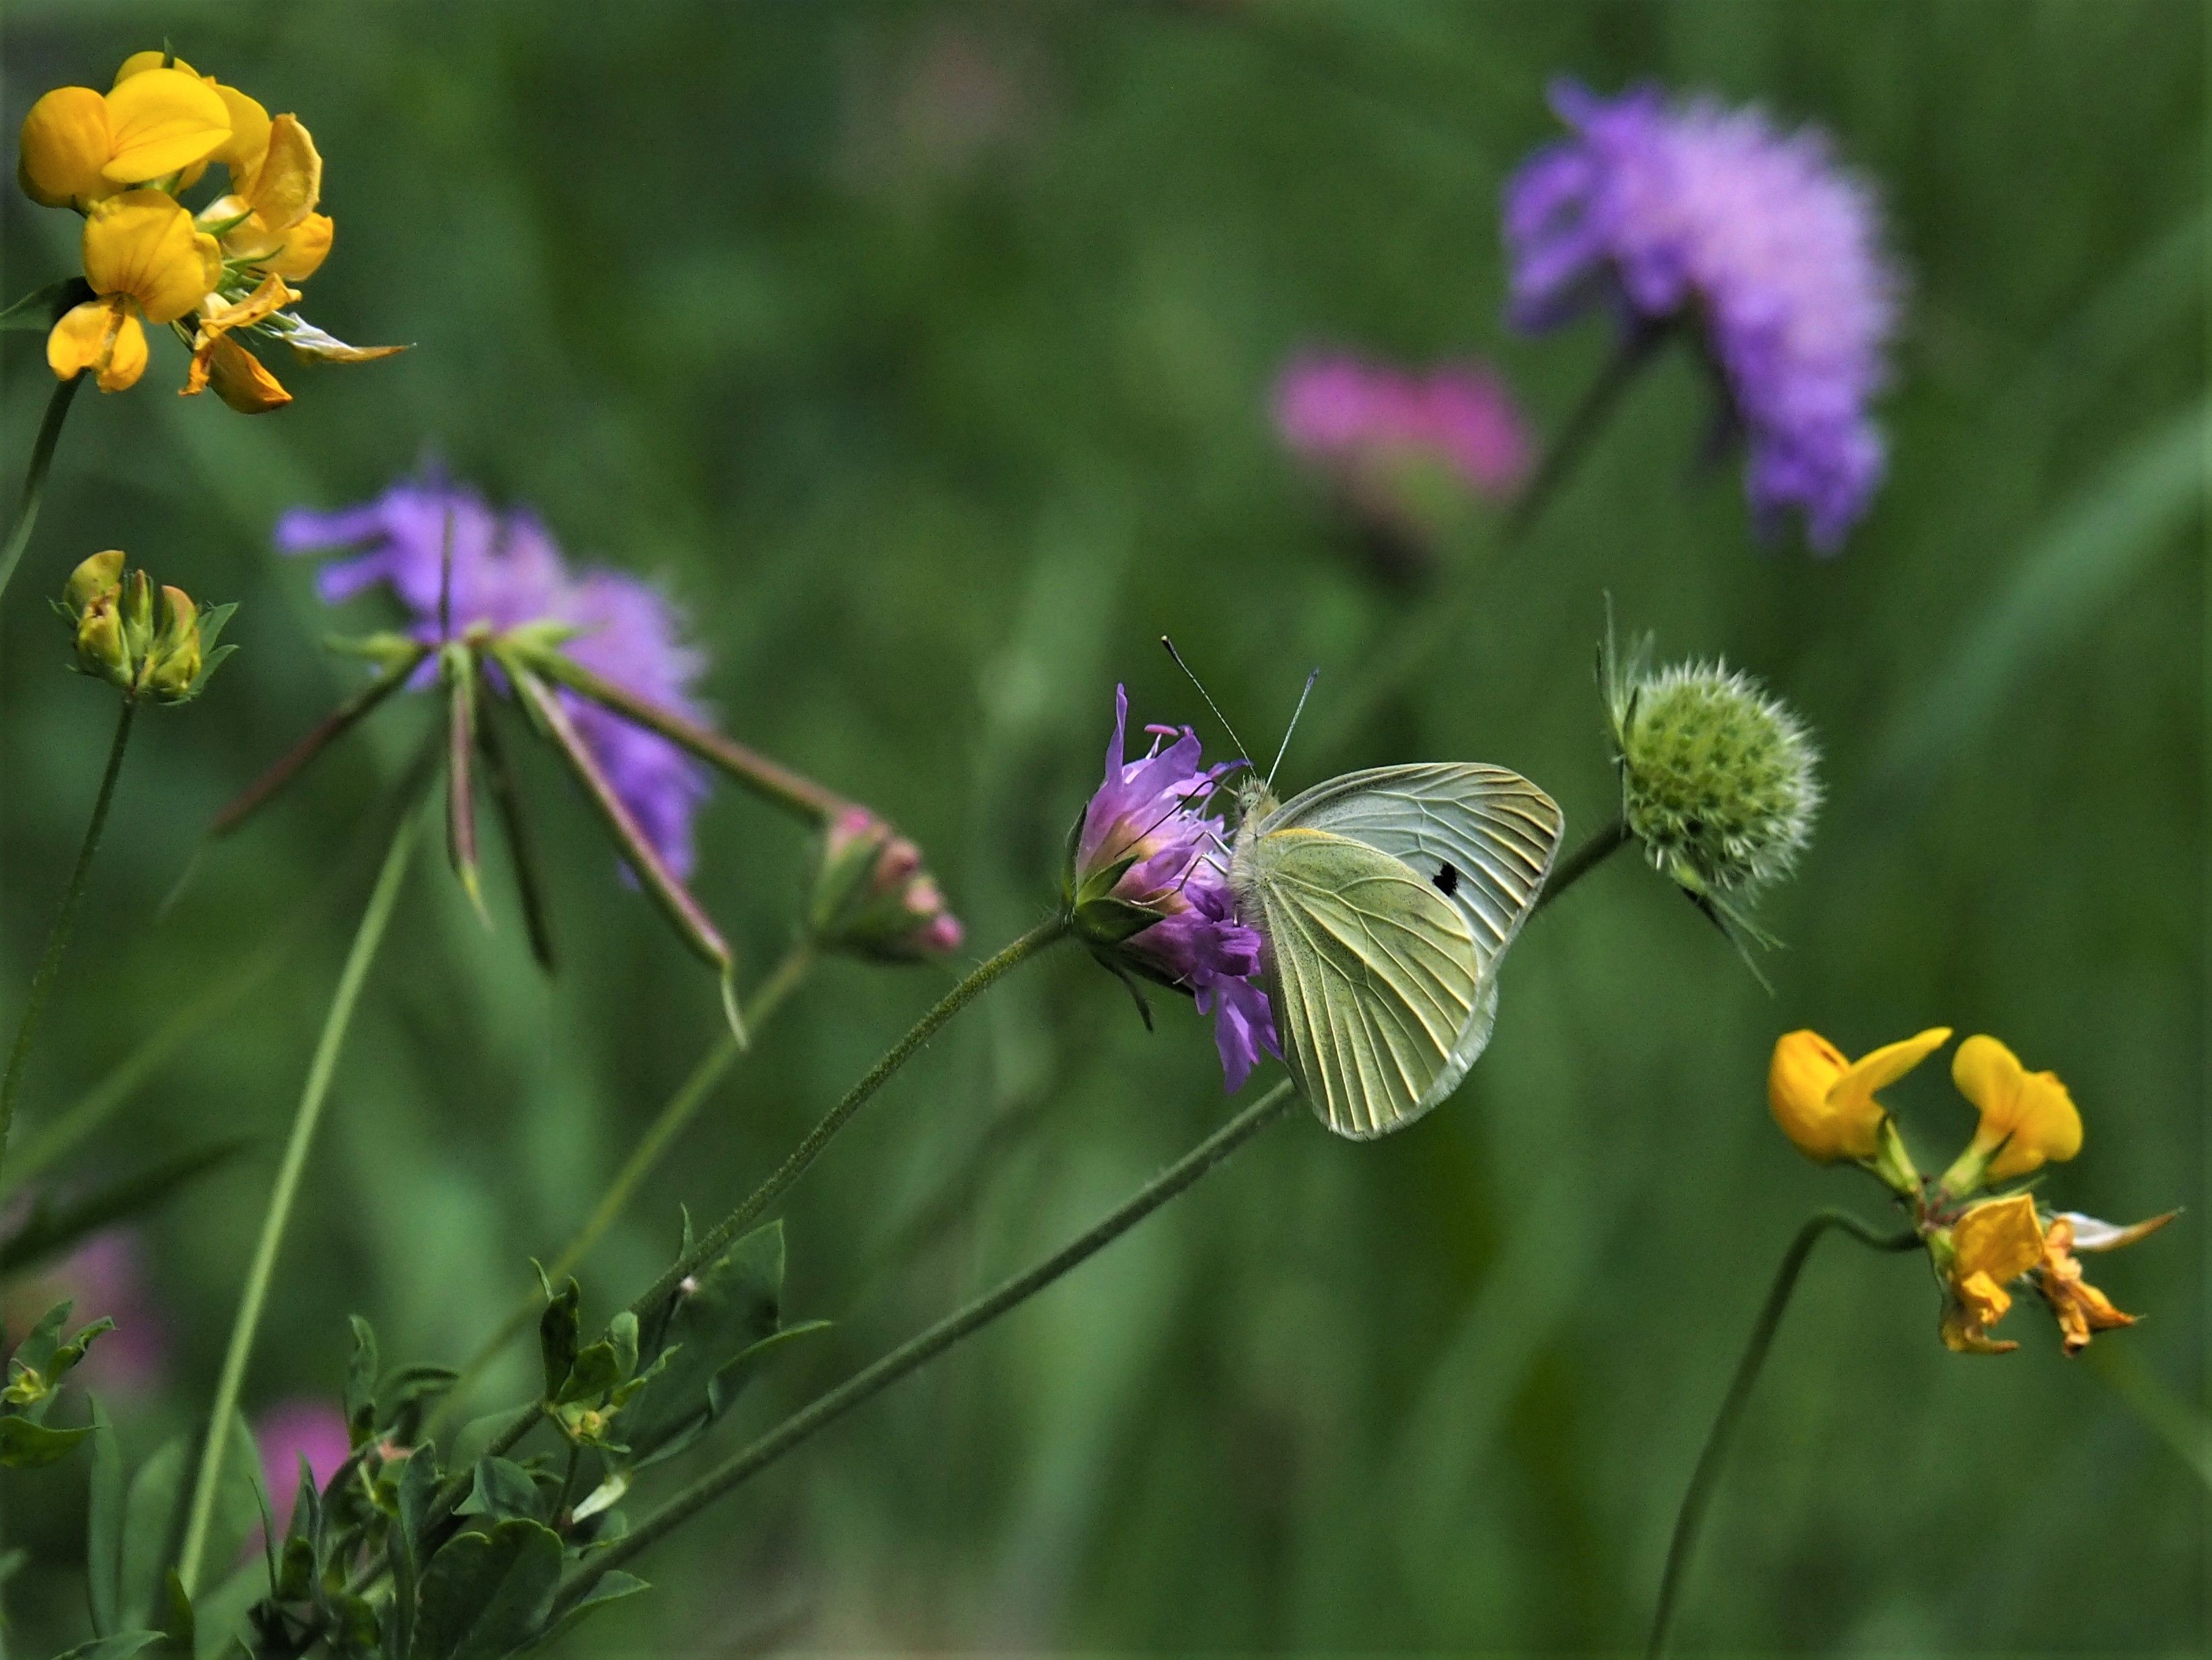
x=100 y=575
x=101 y=648
x=2027 y=1118
x=1825 y=1104
x=174 y=662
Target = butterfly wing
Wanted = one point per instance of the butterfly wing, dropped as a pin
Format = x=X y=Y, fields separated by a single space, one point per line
x=1375 y=978
x=1496 y=831
x=1486 y=834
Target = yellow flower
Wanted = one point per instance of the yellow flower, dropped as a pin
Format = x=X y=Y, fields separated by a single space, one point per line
x=249 y=121
x=1992 y=1244
x=2080 y=1308
x=237 y=376
x=2027 y=1117
x=148 y=263
x=78 y=145
x=1826 y=1105
x=269 y=221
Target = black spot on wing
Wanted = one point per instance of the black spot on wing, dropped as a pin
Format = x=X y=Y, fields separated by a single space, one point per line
x=1446 y=879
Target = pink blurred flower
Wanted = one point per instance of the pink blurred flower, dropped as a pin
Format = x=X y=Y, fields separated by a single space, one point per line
x=1363 y=421
x=301 y=1427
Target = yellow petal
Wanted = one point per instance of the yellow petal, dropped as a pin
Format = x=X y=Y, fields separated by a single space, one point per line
x=218 y=317
x=242 y=381
x=139 y=62
x=249 y=133
x=1851 y=1106
x=1804 y=1068
x=1881 y=1067
x=2027 y=1117
x=84 y=337
x=126 y=360
x=306 y=245
x=286 y=186
x=144 y=245
x=160 y=120
x=2000 y=1237
x=64 y=145
x=1972 y=1307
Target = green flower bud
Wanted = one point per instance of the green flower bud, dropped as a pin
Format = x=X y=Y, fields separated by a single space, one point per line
x=174 y=661
x=96 y=578
x=872 y=899
x=101 y=650
x=1717 y=780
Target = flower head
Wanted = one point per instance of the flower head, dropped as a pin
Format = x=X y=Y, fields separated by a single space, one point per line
x=1147 y=887
x=872 y=897
x=1714 y=217
x=2027 y=1118
x=505 y=571
x=300 y=1431
x=1826 y=1105
x=1720 y=781
x=166 y=651
x=121 y=158
x=1375 y=429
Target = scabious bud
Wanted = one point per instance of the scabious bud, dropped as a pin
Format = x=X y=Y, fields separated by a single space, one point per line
x=1717 y=780
x=873 y=899
x=112 y=615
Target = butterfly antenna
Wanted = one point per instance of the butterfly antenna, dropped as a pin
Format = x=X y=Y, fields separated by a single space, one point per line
x=1293 y=728
x=1206 y=695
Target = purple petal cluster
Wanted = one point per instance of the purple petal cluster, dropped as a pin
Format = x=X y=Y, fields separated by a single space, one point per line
x=1755 y=236
x=1150 y=811
x=1348 y=414
x=507 y=570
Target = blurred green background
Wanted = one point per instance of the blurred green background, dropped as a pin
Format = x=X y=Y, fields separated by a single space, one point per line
x=924 y=352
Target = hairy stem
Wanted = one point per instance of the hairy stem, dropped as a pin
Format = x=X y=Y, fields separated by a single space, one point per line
x=1582 y=862
x=681 y=1108
x=918 y=1351
x=35 y=479
x=49 y=963
x=366 y=937
x=1691 y=1516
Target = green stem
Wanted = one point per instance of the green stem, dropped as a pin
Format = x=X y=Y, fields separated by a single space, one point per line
x=1692 y=1515
x=718 y=1238
x=1582 y=862
x=366 y=940
x=682 y=1108
x=35 y=479
x=920 y=1350
x=1599 y=400
x=50 y=964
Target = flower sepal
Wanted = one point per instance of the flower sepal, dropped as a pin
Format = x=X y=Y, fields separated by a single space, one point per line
x=873 y=899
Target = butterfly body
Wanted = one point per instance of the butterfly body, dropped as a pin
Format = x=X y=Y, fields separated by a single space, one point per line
x=1386 y=899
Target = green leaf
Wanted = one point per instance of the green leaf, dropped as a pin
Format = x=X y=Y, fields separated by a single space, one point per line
x=503 y=1490
x=735 y=1304
x=38 y=311
x=485 y=1594
x=613 y=1588
x=103 y=1544
x=152 y=1528
x=558 y=1330
x=37 y=1350
x=25 y=1445
x=418 y=1487
x=119 y=1646
x=361 y=1382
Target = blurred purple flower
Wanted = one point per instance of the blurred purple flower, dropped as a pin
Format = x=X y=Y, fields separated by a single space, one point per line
x=106 y=1275
x=1150 y=815
x=1756 y=235
x=302 y=1428
x=1362 y=420
x=506 y=570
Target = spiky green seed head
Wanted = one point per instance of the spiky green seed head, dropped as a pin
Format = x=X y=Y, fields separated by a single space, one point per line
x=1718 y=780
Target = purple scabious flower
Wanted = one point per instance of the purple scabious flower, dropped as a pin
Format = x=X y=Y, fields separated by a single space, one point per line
x=1362 y=420
x=293 y=1430
x=1758 y=237
x=506 y=571
x=1148 y=879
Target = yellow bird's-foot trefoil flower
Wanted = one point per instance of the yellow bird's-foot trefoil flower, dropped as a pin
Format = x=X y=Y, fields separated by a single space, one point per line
x=152 y=136
x=2027 y=1117
x=165 y=650
x=1982 y=1251
x=145 y=262
x=1826 y=1105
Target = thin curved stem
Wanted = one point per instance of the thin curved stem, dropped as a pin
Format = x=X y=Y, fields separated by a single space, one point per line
x=49 y=963
x=366 y=937
x=719 y=1237
x=682 y=1107
x=35 y=479
x=918 y=1351
x=1691 y=1516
